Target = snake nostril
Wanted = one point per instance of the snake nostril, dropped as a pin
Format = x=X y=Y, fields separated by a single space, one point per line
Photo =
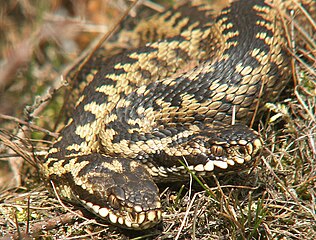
x=242 y=151
x=132 y=216
x=114 y=202
x=217 y=150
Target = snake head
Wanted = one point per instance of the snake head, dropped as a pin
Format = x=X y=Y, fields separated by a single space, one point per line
x=214 y=147
x=118 y=190
x=235 y=143
x=230 y=145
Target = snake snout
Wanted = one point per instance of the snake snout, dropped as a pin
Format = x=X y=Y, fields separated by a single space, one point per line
x=131 y=208
x=244 y=150
x=231 y=145
x=142 y=219
x=143 y=207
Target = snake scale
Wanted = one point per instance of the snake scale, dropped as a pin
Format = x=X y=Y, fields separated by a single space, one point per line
x=184 y=98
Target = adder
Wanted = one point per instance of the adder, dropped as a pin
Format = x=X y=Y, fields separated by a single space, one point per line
x=180 y=103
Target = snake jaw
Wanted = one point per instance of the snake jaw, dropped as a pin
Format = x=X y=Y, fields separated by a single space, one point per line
x=130 y=213
x=143 y=219
x=227 y=155
x=135 y=217
x=119 y=213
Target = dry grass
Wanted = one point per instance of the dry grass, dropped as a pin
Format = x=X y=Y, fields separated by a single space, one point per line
x=274 y=200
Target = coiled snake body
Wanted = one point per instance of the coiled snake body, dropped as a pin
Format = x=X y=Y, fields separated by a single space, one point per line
x=149 y=110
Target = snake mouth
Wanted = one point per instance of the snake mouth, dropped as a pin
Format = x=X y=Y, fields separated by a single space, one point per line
x=237 y=153
x=135 y=218
x=142 y=219
x=220 y=156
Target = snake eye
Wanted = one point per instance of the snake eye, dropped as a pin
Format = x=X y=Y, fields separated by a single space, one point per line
x=217 y=150
x=114 y=202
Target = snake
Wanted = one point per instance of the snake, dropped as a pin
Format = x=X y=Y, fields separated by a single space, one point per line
x=178 y=103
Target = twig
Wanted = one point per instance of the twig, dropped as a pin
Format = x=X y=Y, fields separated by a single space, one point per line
x=301 y=101
x=234 y=115
x=16 y=147
x=154 y=6
x=35 y=127
x=257 y=106
x=186 y=216
x=71 y=211
x=280 y=182
x=48 y=224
